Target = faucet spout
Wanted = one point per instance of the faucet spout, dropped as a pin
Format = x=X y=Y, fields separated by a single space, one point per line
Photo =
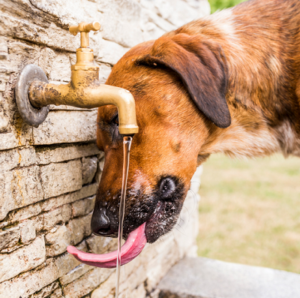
x=96 y=95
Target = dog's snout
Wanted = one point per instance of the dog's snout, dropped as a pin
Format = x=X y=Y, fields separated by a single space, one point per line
x=101 y=224
x=167 y=187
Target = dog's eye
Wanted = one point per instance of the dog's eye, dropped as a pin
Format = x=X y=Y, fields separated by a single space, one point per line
x=115 y=120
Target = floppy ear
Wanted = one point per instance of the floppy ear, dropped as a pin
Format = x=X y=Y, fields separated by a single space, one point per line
x=201 y=67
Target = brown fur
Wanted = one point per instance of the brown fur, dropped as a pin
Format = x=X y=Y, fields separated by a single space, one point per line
x=245 y=61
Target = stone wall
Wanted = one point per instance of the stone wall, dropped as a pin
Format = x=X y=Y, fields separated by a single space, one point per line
x=49 y=175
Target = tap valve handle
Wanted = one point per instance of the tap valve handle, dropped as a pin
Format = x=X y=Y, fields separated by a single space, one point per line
x=84 y=29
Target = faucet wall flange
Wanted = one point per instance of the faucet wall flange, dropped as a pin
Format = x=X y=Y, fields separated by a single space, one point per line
x=31 y=115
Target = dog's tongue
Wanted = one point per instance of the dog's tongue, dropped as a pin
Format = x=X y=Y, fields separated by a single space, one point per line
x=132 y=248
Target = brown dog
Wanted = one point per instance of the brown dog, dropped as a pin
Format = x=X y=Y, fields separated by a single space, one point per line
x=225 y=83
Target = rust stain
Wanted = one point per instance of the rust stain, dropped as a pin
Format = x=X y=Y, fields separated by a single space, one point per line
x=18 y=126
x=18 y=179
x=20 y=157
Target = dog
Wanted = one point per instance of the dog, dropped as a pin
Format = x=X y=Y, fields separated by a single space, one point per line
x=229 y=83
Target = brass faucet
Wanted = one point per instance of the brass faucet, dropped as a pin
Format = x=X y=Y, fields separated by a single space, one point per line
x=84 y=90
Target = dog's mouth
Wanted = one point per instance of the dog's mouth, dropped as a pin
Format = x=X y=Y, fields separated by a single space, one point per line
x=140 y=227
x=133 y=246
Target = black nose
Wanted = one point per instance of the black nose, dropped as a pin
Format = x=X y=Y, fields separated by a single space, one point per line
x=101 y=224
x=167 y=187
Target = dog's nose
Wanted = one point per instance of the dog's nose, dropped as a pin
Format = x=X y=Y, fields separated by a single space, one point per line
x=101 y=224
x=167 y=187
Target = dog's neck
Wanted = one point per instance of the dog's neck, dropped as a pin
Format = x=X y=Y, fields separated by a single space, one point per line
x=265 y=112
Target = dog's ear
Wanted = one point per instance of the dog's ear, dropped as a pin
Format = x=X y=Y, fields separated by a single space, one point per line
x=201 y=67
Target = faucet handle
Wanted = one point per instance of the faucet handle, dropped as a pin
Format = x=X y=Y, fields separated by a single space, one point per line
x=84 y=29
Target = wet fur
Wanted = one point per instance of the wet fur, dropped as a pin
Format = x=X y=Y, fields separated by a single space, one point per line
x=236 y=91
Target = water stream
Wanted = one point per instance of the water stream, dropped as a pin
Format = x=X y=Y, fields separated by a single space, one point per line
x=126 y=153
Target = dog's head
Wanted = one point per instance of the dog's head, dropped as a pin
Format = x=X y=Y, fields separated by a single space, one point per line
x=179 y=84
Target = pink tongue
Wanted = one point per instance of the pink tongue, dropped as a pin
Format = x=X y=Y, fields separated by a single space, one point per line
x=132 y=248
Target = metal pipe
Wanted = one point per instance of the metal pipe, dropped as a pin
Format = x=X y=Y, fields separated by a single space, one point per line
x=96 y=95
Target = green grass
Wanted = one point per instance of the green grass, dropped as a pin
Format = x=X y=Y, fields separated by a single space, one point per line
x=221 y=4
x=250 y=212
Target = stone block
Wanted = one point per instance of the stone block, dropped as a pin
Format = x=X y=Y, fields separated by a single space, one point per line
x=200 y=277
x=107 y=288
x=84 y=192
x=38 y=222
x=89 y=168
x=53 y=36
x=27 y=230
x=151 y=31
x=121 y=22
x=138 y=292
x=4 y=122
x=19 y=188
x=46 y=155
x=88 y=190
x=8 y=159
x=187 y=227
x=57 y=294
x=61 y=68
x=158 y=258
x=9 y=238
x=79 y=228
x=4 y=78
x=56 y=202
x=17 y=157
x=66 y=262
x=20 y=54
x=24 y=213
x=8 y=141
x=110 y=52
x=177 y=12
x=161 y=23
x=57 y=216
x=86 y=283
x=45 y=292
x=30 y=282
x=3 y=49
x=101 y=245
x=131 y=281
x=26 y=186
x=66 y=127
x=46 y=59
x=57 y=240
x=74 y=274
x=22 y=260
x=27 y=157
x=60 y=178
x=71 y=234
x=66 y=212
x=83 y=207
x=69 y=13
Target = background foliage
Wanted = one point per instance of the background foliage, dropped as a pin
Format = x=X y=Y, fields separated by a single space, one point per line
x=221 y=4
